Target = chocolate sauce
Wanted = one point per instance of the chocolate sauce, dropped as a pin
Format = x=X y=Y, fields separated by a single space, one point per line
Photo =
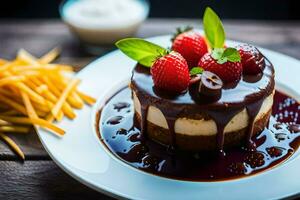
x=274 y=145
x=114 y=120
x=121 y=105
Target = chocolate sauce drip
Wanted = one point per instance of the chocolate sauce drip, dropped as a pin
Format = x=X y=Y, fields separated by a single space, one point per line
x=171 y=119
x=170 y=114
x=221 y=122
x=274 y=145
x=144 y=114
x=252 y=110
x=171 y=126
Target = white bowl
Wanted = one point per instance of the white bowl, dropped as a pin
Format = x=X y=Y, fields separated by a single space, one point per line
x=97 y=25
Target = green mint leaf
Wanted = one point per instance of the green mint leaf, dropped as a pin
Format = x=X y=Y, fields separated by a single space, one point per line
x=217 y=53
x=222 y=55
x=142 y=51
x=232 y=55
x=213 y=28
x=222 y=60
x=196 y=70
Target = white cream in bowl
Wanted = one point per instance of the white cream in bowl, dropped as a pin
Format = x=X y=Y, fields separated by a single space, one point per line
x=104 y=21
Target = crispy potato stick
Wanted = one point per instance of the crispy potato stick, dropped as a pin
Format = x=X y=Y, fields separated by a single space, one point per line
x=36 y=81
x=3 y=61
x=51 y=86
x=4 y=123
x=27 y=57
x=32 y=85
x=12 y=79
x=13 y=104
x=42 y=89
x=15 y=129
x=33 y=95
x=41 y=108
x=75 y=101
x=65 y=68
x=10 y=112
x=9 y=93
x=86 y=98
x=32 y=113
x=13 y=145
x=5 y=67
x=63 y=96
x=50 y=56
x=25 y=120
x=60 y=114
x=30 y=110
x=66 y=108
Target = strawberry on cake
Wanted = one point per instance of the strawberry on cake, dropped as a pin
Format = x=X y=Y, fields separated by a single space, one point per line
x=201 y=94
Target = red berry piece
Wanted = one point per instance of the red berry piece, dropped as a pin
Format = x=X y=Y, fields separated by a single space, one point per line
x=255 y=159
x=238 y=168
x=171 y=73
x=252 y=59
x=274 y=151
x=191 y=45
x=228 y=71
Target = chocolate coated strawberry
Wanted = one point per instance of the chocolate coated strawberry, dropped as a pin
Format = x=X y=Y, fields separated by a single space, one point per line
x=227 y=71
x=252 y=59
x=171 y=73
x=191 y=45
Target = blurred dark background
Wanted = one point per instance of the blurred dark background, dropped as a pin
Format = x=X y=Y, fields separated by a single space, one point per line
x=229 y=9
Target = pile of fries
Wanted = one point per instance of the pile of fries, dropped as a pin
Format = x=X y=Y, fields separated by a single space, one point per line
x=34 y=91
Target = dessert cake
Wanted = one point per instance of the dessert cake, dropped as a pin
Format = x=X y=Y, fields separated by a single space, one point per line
x=190 y=123
x=199 y=110
x=201 y=95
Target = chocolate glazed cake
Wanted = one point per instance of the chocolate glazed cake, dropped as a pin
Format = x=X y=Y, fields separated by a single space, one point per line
x=191 y=122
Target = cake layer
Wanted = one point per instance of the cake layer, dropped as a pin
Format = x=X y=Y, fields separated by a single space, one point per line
x=201 y=142
x=205 y=126
x=190 y=114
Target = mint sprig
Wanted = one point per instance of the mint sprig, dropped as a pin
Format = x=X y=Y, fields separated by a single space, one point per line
x=223 y=55
x=142 y=51
x=213 y=28
x=196 y=70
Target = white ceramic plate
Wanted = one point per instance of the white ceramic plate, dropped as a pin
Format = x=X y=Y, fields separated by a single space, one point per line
x=80 y=153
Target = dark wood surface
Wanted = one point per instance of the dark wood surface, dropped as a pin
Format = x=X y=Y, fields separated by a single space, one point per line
x=38 y=177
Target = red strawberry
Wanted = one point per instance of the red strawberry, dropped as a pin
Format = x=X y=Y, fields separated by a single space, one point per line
x=228 y=71
x=171 y=73
x=252 y=59
x=191 y=45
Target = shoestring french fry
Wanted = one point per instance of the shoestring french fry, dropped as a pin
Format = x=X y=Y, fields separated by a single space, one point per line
x=13 y=145
x=35 y=91
x=15 y=129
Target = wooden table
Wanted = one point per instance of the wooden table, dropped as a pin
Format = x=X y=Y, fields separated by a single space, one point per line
x=39 y=177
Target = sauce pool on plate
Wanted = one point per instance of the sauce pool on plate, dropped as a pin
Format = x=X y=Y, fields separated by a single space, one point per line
x=121 y=135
